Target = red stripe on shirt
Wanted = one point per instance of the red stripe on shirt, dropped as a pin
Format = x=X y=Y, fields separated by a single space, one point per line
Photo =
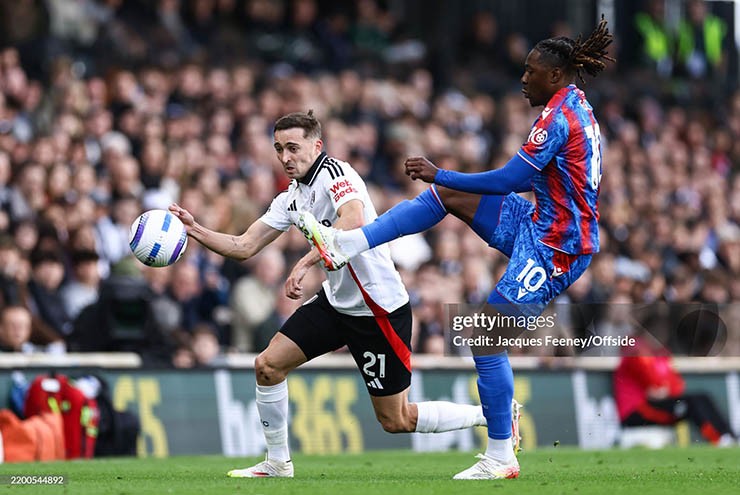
x=578 y=144
x=561 y=220
x=381 y=317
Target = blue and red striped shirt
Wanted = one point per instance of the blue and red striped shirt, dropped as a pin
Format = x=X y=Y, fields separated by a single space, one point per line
x=564 y=145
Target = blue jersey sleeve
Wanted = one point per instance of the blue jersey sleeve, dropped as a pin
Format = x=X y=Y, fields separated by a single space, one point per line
x=512 y=177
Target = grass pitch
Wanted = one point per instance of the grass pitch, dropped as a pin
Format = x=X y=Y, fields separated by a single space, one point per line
x=544 y=471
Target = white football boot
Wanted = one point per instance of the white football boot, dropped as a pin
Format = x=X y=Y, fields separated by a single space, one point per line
x=324 y=238
x=264 y=469
x=490 y=469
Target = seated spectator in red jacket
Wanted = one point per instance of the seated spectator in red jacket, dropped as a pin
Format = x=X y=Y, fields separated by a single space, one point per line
x=649 y=391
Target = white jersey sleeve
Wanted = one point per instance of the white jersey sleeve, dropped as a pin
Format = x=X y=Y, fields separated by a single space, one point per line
x=341 y=183
x=276 y=215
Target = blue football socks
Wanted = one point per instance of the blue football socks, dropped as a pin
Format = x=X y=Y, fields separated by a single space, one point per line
x=407 y=217
x=496 y=390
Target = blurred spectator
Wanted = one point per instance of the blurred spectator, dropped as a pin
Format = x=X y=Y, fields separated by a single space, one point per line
x=371 y=30
x=183 y=357
x=304 y=50
x=24 y=25
x=6 y=192
x=82 y=289
x=703 y=41
x=428 y=313
x=12 y=272
x=196 y=301
x=656 y=43
x=44 y=287
x=483 y=53
x=618 y=321
x=113 y=228
x=649 y=391
x=123 y=319
x=253 y=301
x=205 y=347
x=15 y=274
x=15 y=329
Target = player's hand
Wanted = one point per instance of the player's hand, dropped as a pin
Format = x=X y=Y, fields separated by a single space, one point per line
x=418 y=167
x=184 y=215
x=294 y=284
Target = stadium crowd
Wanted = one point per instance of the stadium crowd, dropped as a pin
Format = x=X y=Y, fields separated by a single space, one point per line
x=119 y=107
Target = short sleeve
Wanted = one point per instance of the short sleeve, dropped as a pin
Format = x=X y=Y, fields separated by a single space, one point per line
x=545 y=140
x=343 y=188
x=276 y=215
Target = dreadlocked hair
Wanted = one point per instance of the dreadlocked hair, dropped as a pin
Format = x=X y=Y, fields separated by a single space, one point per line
x=579 y=56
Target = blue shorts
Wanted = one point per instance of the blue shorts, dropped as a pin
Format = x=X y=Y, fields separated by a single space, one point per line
x=536 y=273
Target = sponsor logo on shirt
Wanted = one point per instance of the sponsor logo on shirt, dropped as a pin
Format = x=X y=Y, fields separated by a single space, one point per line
x=546 y=112
x=341 y=189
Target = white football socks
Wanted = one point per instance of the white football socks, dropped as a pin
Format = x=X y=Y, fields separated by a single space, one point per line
x=351 y=242
x=500 y=450
x=439 y=416
x=272 y=405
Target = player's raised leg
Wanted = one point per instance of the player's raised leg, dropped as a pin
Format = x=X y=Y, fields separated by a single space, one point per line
x=407 y=217
x=272 y=367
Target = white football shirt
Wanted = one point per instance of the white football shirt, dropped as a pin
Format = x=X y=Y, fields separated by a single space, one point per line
x=370 y=279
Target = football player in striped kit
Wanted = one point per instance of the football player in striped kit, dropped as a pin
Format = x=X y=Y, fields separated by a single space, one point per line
x=549 y=243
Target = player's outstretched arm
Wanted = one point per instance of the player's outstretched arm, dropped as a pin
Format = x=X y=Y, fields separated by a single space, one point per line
x=512 y=177
x=240 y=247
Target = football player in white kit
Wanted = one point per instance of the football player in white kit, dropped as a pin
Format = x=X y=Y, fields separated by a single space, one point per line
x=363 y=306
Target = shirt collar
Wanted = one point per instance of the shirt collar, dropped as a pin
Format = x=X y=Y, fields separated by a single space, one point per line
x=314 y=170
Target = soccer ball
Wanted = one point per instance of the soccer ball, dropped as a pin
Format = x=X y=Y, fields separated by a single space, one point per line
x=158 y=238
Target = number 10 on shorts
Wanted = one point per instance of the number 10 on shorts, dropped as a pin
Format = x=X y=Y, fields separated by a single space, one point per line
x=532 y=277
x=371 y=360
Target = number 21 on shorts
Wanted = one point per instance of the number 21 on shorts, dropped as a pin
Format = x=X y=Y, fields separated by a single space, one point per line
x=370 y=363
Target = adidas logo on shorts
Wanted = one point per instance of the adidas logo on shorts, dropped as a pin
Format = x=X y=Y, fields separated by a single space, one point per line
x=375 y=384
